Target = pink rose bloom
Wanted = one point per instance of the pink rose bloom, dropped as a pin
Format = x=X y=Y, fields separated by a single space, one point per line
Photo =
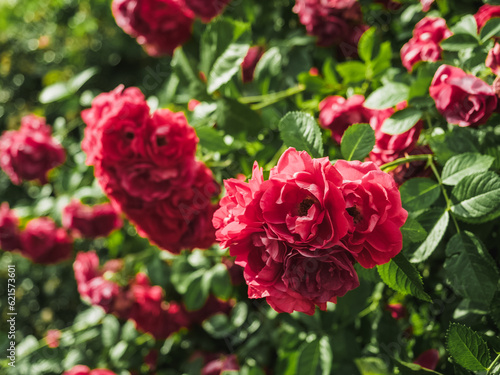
x=52 y=338
x=30 y=152
x=158 y=25
x=374 y=212
x=493 y=59
x=44 y=243
x=192 y=104
x=9 y=228
x=391 y=147
x=250 y=62
x=84 y=370
x=91 y=221
x=428 y=359
x=115 y=126
x=424 y=46
x=426 y=4
x=206 y=9
x=485 y=13
x=337 y=114
x=332 y=21
x=220 y=365
x=462 y=98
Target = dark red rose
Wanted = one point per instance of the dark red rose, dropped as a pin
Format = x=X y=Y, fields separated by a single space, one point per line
x=374 y=212
x=250 y=62
x=30 y=152
x=493 y=59
x=158 y=25
x=102 y=292
x=9 y=228
x=397 y=310
x=428 y=359
x=424 y=46
x=44 y=243
x=115 y=126
x=332 y=21
x=462 y=98
x=391 y=147
x=220 y=365
x=86 y=267
x=206 y=9
x=485 y=13
x=337 y=114
x=91 y=221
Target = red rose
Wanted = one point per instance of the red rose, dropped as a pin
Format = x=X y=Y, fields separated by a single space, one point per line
x=102 y=292
x=158 y=25
x=30 y=152
x=332 y=21
x=86 y=267
x=206 y=9
x=337 y=114
x=461 y=98
x=84 y=370
x=220 y=365
x=250 y=62
x=428 y=359
x=426 y=4
x=391 y=147
x=485 y=13
x=424 y=46
x=9 y=228
x=44 y=243
x=493 y=59
x=397 y=310
x=115 y=126
x=91 y=221
x=374 y=212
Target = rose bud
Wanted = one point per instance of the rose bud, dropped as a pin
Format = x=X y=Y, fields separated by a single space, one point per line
x=250 y=62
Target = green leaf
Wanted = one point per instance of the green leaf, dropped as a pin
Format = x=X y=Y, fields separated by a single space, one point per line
x=371 y=366
x=388 y=96
x=235 y=118
x=309 y=358
x=352 y=71
x=401 y=121
x=467 y=348
x=403 y=277
x=75 y=83
x=490 y=29
x=62 y=90
x=357 y=142
x=495 y=309
x=368 y=45
x=212 y=140
x=299 y=130
x=226 y=66
x=197 y=292
x=478 y=196
x=413 y=231
x=470 y=270
x=425 y=250
x=110 y=331
x=419 y=193
x=269 y=65
x=325 y=355
x=383 y=61
x=459 y=42
x=406 y=368
x=464 y=165
x=221 y=282
x=466 y=25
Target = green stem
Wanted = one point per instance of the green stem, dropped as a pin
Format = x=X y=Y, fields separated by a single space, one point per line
x=489 y=369
x=265 y=100
x=393 y=164
x=443 y=189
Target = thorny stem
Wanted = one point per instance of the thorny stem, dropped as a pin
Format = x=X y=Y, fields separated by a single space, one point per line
x=490 y=369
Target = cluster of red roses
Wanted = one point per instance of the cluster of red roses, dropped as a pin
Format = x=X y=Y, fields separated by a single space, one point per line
x=162 y=25
x=147 y=167
x=334 y=22
x=30 y=152
x=299 y=233
x=138 y=300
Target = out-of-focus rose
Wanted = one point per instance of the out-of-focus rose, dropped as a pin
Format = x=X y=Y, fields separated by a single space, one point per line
x=84 y=370
x=424 y=45
x=158 y=25
x=192 y=104
x=30 y=152
x=485 y=13
x=462 y=98
x=206 y=9
x=44 y=243
x=493 y=59
x=250 y=62
x=374 y=211
x=337 y=114
x=220 y=365
x=91 y=221
x=9 y=228
x=52 y=338
x=428 y=359
x=426 y=4
x=397 y=310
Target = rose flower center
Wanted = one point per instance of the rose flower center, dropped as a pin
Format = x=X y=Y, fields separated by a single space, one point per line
x=356 y=215
x=305 y=205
